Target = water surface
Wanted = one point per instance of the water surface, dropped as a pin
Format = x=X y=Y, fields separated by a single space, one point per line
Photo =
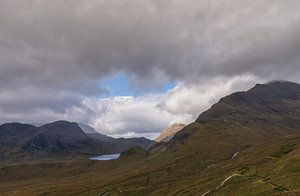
x=105 y=157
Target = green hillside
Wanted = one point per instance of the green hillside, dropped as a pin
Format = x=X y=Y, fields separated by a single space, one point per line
x=247 y=144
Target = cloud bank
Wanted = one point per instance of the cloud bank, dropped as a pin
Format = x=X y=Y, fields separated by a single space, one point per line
x=53 y=54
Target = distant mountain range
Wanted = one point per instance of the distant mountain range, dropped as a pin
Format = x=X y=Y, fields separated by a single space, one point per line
x=60 y=139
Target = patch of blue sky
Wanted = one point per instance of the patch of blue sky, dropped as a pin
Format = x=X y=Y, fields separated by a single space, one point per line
x=118 y=85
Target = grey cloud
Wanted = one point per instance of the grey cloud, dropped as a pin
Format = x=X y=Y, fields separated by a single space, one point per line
x=180 y=40
x=54 y=53
x=30 y=99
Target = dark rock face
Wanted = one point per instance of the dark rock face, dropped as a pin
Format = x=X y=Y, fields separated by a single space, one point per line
x=58 y=136
x=276 y=101
x=13 y=136
x=12 y=133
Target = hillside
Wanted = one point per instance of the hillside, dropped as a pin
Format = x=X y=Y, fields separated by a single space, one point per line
x=253 y=134
x=246 y=144
x=276 y=102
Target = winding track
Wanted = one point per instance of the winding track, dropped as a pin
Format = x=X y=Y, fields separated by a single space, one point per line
x=222 y=184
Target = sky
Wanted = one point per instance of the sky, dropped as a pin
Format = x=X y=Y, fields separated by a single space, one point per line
x=130 y=68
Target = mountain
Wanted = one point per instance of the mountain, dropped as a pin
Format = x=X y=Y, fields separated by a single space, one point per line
x=15 y=131
x=141 y=142
x=61 y=136
x=13 y=136
x=246 y=144
x=244 y=119
x=121 y=144
x=276 y=102
x=168 y=133
x=118 y=144
x=59 y=139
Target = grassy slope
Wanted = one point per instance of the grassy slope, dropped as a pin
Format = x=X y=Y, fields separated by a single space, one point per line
x=266 y=168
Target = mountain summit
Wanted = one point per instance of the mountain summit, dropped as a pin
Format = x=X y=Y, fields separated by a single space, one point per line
x=274 y=103
x=58 y=136
x=263 y=112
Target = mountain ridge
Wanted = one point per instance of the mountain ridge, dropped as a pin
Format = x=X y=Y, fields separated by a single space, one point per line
x=59 y=139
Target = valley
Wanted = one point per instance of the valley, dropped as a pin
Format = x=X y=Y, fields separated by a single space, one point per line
x=246 y=144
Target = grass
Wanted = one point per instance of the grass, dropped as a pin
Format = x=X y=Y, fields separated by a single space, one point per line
x=195 y=163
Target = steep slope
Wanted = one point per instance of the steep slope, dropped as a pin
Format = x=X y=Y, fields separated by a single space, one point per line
x=240 y=121
x=168 y=133
x=274 y=103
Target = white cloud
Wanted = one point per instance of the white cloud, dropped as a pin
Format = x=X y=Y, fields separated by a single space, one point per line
x=134 y=134
x=132 y=115
x=193 y=99
x=147 y=115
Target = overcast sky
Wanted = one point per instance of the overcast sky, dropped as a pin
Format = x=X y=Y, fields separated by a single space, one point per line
x=132 y=67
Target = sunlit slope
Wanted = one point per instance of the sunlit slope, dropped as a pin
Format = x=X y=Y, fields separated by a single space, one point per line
x=167 y=134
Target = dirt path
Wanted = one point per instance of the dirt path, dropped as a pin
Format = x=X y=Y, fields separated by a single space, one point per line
x=205 y=193
x=222 y=184
x=228 y=178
